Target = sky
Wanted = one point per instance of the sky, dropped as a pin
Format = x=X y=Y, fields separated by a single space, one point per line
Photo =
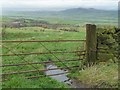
x=57 y=5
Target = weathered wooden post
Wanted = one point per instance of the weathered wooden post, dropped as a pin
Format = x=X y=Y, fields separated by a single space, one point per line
x=91 y=44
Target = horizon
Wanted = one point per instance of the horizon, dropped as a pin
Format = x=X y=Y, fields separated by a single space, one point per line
x=23 y=9
x=57 y=5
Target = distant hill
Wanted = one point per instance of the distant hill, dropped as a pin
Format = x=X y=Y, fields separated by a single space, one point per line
x=90 y=12
x=75 y=14
x=80 y=10
x=86 y=9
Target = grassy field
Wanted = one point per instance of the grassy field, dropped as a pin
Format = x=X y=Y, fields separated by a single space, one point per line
x=101 y=75
x=36 y=33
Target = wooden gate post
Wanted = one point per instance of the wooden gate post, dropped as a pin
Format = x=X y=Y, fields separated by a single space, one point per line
x=91 y=44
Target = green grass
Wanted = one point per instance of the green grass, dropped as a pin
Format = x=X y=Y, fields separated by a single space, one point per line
x=21 y=82
x=103 y=75
x=35 y=33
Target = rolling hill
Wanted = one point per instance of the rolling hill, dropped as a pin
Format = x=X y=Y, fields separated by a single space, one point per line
x=81 y=15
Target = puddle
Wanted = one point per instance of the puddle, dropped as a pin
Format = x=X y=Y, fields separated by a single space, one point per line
x=62 y=77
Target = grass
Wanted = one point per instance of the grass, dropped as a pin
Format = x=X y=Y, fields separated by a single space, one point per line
x=21 y=82
x=102 y=75
x=35 y=33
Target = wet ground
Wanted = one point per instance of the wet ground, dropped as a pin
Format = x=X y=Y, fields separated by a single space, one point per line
x=63 y=77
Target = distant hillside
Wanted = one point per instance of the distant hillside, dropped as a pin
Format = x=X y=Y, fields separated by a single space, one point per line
x=86 y=9
x=81 y=10
x=91 y=12
x=81 y=15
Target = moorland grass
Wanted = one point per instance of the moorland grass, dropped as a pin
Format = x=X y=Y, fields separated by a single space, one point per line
x=35 y=33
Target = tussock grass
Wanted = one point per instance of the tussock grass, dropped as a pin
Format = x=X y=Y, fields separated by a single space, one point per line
x=102 y=75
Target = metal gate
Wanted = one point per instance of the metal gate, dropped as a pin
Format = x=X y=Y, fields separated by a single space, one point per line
x=30 y=57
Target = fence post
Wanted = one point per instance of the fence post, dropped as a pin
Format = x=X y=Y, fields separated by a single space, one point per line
x=91 y=44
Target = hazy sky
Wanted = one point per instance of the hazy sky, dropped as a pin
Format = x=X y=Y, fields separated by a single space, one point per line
x=58 y=4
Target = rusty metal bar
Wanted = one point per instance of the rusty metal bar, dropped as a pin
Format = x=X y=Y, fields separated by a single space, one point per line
x=21 y=58
x=21 y=72
x=32 y=77
x=31 y=53
x=42 y=40
x=46 y=75
x=5 y=65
